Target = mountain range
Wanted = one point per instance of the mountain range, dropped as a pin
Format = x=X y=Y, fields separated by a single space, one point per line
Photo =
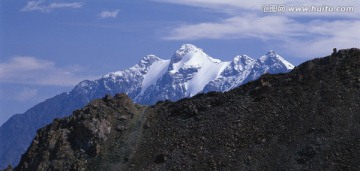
x=189 y=71
x=307 y=119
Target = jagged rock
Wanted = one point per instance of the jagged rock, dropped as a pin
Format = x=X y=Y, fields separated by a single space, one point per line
x=121 y=128
x=82 y=138
x=123 y=117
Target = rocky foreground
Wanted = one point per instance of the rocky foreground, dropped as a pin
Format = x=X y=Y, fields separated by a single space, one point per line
x=308 y=119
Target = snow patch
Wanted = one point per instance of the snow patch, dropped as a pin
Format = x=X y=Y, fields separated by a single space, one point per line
x=191 y=58
x=156 y=71
x=208 y=72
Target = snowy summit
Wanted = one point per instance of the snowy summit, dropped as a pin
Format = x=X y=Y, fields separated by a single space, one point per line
x=189 y=71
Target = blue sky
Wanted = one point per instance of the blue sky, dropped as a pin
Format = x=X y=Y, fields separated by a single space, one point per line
x=47 y=46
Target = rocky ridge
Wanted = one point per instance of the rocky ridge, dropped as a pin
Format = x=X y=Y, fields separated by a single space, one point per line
x=189 y=71
x=307 y=119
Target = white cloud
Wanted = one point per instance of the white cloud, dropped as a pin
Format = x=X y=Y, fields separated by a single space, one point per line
x=43 y=7
x=249 y=26
x=316 y=36
x=322 y=36
x=33 y=71
x=109 y=14
x=317 y=32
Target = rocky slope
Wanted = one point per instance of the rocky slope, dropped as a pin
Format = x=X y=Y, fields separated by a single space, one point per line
x=16 y=134
x=189 y=71
x=308 y=119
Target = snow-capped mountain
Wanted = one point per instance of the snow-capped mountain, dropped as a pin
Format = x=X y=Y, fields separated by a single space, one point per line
x=244 y=69
x=189 y=71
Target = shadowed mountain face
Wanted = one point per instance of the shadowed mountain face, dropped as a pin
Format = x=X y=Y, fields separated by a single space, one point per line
x=308 y=119
x=189 y=71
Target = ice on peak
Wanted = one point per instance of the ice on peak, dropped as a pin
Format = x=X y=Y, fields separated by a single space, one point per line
x=149 y=59
x=188 y=47
x=271 y=57
x=189 y=50
x=189 y=56
x=155 y=71
x=240 y=62
x=271 y=53
x=243 y=59
x=185 y=48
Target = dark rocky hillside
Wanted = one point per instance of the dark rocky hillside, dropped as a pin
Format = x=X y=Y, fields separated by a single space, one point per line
x=308 y=119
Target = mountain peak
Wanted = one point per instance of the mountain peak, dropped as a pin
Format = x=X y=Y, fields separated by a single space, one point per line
x=273 y=58
x=149 y=59
x=243 y=59
x=185 y=48
x=271 y=53
x=190 y=56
